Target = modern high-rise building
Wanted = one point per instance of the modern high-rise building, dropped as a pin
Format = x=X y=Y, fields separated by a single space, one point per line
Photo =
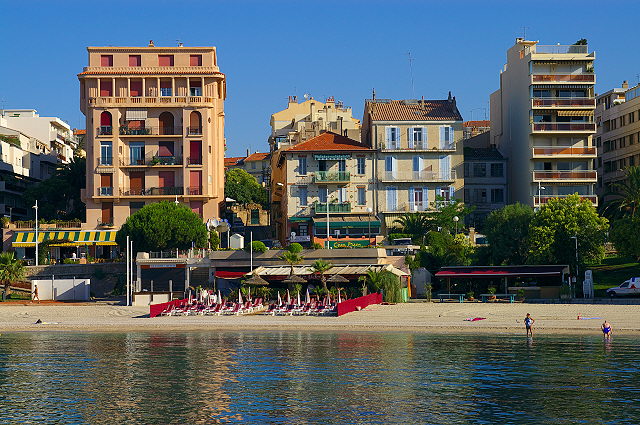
x=155 y=130
x=542 y=121
x=618 y=136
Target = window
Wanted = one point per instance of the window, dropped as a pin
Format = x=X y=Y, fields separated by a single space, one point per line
x=195 y=60
x=342 y=165
x=135 y=88
x=106 y=88
x=195 y=87
x=362 y=196
x=467 y=169
x=136 y=153
x=322 y=165
x=106 y=153
x=480 y=169
x=389 y=166
x=392 y=138
x=417 y=198
x=302 y=194
x=253 y=165
x=135 y=206
x=303 y=229
x=360 y=162
x=497 y=170
x=323 y=193
x=302 y=166
x=255 y=216
x=392 y=199
x=165 y=88
x=446 y=137
x=135 y=60
x=106 y=60
x=497 y=196
x=342 y=194
x=165 y=60
x=417 y=137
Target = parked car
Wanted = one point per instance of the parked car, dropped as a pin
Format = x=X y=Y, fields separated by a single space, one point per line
x=628 y=287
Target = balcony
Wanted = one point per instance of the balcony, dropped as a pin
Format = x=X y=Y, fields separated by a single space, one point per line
x=563 y=127
x=194 y=160
x=541 y=200
x=154 y=191
x=105 y=191
x=104 y=130
x=133 y=162
x=563 y=78
x=564 y=151
x=332 y=177
x=335 y=207
x=419 y=147
x=563 y=102
x=164 y=101
x=147 y=131
x=194 y=190
x=194 y=131
x=165 y=160
x=418 y=176
x=562 y=49
x=580 y=175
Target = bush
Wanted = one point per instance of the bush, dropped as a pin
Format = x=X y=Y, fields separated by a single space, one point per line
x=295 y=248
x=257 y=246
x=316 y=245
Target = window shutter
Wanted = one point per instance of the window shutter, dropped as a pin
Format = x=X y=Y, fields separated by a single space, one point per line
x=394 y=166
x=412 y=198
x=387 y=140
x=438 y=192
x=410 y=137
x=441 y=136
x=425 y=197
x=451 y=192
x=425 y=139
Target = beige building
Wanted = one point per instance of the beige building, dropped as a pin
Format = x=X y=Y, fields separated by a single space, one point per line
x=155 y=130
x=618 y=134
x=258 y=165
x=419 y=153
x=329 y=177
x=542 y=121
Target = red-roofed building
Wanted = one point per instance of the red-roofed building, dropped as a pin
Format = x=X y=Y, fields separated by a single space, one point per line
x=233 y=162
x=258 y=165
x=475 y=128
x=326 y=182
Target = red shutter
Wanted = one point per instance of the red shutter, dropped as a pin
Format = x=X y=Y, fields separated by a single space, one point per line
x=136 y=182
x=106 y=180
x=106 y=60
x=135 y=60
x=165 y=60
x=195 y=60
x=166 y=178
x=165 y=148
x=165 y=84
x=105 y=88
x=196 y=207
x=136 y=88
x=195 y=152
x=107 y=212
x=105 y=118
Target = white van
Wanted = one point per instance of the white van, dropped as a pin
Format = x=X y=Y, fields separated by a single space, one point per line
x=628 y=287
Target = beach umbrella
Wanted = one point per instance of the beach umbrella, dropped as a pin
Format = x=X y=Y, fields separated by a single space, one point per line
x=279 y=299
x=308 y=298
x=219 y=297
x=256 y=280
x=190 y=299
x=249 y=294
x=288 y=297
x=339 y=297
x=336 y=278
x=299 y=303
x=294 y=279
x=239 y=297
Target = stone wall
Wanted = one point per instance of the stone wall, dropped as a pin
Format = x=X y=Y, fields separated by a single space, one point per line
x=104 y=276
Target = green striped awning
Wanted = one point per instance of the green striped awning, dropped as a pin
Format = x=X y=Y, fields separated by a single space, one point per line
x=296 y=219
x=331 y=156
x=88 y=237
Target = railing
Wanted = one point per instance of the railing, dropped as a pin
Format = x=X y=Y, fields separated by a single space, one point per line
x=194 y=160
x=564 y=126
x=105 y=160
x=565 y=175
x=564 y=150
x=105 y=191
x=109 y=100
x=420 y=146
x=563 y=102
x=194 y=190
x=571 y=78
x=145 y=131
x=336 y=207
x=419 y=175
x=327 y=176
x=194 y=131
x=31 y=224
x=558 y=48
x=132 y=162
x=104 y=130
x=541 y=200
x=154 y=191
x=166 y=160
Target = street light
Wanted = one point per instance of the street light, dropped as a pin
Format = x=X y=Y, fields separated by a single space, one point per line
x=540 y=189
x=369 y=210
x=176 y=201
x=36 y=208
x=576 y=239
x=455 y=220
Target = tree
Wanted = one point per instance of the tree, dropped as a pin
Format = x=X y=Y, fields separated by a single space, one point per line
x=11 y=270
x=322 y=266
x=59 y=196
x=292 y=257
x=625 y=194
x=507 y=230
x=442 y=249
x=418 y=224
x=554 y=225
x=257 y=246
x=163 y=225
x=214 y=239
x=625 y=235
x=243 y=187
x=385 y=281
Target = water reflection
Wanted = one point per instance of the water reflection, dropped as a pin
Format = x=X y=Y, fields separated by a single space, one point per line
x=315 y=377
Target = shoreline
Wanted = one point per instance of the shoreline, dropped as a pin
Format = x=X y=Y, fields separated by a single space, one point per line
x=446 y=318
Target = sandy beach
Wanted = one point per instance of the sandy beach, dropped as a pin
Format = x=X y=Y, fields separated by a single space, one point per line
x=413 y=317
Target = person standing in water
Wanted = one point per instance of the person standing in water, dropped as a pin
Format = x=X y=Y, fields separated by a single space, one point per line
x=606 y=329
x=528 y=323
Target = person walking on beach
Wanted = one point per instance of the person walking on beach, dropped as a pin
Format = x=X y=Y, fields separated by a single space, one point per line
x=606 y=329
x=35 y=294
x=528 y=323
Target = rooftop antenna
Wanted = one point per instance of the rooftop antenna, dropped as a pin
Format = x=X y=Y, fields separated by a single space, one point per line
x=179 y=43
x=413 y=90
x=524 y=32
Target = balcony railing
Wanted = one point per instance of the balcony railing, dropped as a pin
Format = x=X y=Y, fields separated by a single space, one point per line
x=328 y=176
x=145 y=131
x=335 y=207
x=565 y=175
x=564 y=126
x=105 y=191
x=194 y=160
x=105 y=160
x=194 y=190
x=563 y=102
x=194 y=131
x=541 y=200
x=135 y=162
x=165 y=160
x=564 y=151
x=563 y=78
x=104 y=130
x=154 y=100
x=405 y=175
x=420 y=146
x=561 y=49
x=154 y=191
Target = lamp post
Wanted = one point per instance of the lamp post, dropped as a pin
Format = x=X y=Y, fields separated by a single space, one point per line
x=540 y=189
x=455 y=220
x=176 y=201
x=36 y=208
x=575 y=238
x=369 y=210
x=328 y=243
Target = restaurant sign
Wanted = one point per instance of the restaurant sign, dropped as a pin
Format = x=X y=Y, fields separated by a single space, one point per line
x=349 y=244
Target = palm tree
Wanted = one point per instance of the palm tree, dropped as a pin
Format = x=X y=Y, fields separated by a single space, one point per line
x=415 y=224
x=373 y=279
x=11 y=270
x=626 y=195
x=322 y=266
x=292 y=259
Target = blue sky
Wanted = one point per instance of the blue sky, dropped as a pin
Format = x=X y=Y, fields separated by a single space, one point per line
x=270 y=50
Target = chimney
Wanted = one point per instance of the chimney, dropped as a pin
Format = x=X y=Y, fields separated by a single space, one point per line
x=625 y=84
x=247 y=153
x=449 y=98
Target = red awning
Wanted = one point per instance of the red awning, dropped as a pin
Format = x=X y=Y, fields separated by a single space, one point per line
x=229 y=275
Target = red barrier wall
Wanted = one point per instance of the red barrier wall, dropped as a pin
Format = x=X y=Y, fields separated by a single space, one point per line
x=350 y=305
x=156 y=309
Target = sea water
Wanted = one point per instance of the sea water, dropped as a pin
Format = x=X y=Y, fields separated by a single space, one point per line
x=317 y=377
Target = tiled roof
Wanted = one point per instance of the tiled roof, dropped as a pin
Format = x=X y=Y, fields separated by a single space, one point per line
x=228 y=162
x=480 y=154
x=77 y=131
x=414 y=110
x=329 y=142
x=258 y=156
x=482 y=123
